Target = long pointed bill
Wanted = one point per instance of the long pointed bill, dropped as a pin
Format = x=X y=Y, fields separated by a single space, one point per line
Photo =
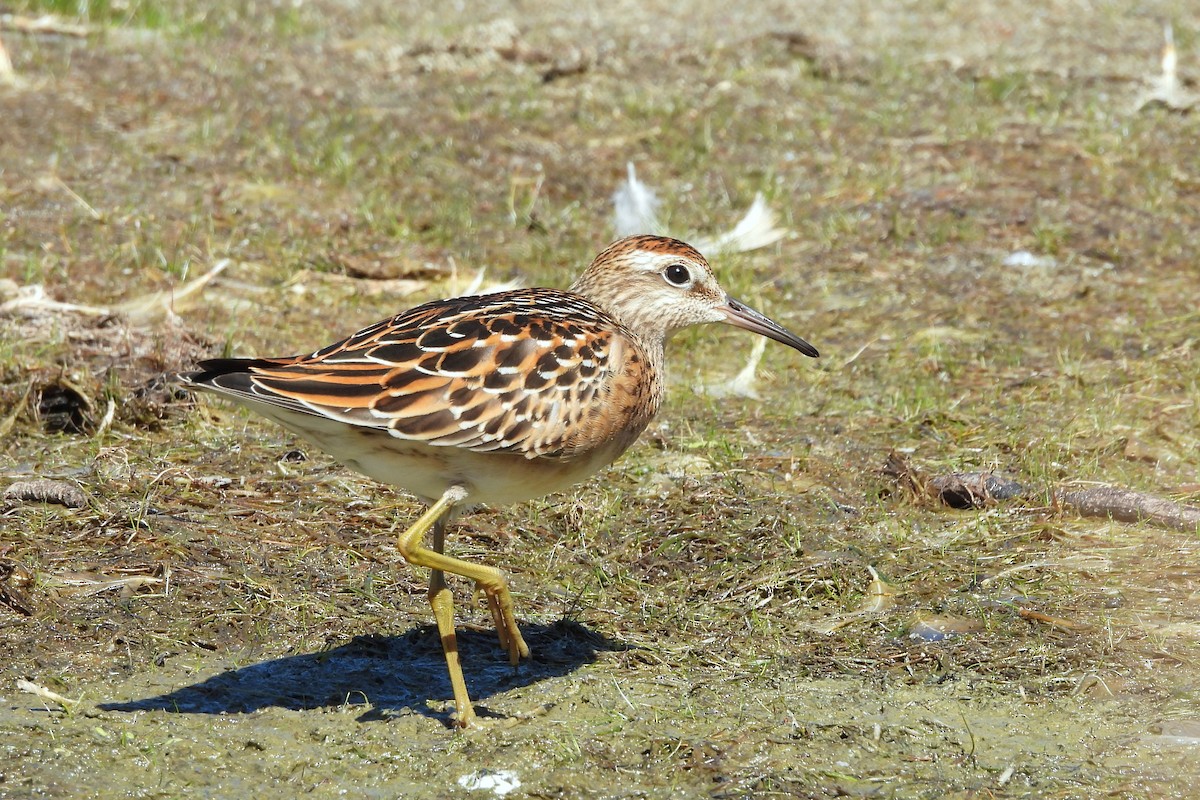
x=742 y=316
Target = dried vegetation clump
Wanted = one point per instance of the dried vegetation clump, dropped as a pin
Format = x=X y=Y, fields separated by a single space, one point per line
x=957 y=557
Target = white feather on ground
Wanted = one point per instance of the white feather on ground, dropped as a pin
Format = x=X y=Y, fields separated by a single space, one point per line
x=8 y=76
x=477 y=285
x=745 y=383
x=1166 y=89
x=635 y=210
x=756 y=230
x=635 y=207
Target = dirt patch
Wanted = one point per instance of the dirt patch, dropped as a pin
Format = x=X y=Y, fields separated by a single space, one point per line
x=991 y=247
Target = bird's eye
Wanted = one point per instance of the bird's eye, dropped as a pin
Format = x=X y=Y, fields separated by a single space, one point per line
x=677 y=275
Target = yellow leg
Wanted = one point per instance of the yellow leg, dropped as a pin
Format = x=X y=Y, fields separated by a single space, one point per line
x=499 y=618
x=503 y=616
x=441 y=599
x=443 y=612
x=489 y=580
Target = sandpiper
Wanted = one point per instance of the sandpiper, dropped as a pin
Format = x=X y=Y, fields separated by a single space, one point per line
x=495 y=398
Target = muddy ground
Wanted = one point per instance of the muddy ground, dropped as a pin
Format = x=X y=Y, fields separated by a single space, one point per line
x=993 y=243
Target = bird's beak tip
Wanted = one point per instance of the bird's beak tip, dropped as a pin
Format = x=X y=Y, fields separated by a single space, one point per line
x=742 y=316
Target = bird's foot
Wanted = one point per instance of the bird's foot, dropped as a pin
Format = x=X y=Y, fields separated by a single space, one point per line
x=500 y=604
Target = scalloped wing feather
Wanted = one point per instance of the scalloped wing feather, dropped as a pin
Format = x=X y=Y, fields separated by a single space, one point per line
x=514 y=372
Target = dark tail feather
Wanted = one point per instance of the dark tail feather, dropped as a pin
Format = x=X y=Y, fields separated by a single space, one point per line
x=213 y=368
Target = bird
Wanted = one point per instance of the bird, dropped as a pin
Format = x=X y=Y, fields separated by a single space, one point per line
x=494 y=399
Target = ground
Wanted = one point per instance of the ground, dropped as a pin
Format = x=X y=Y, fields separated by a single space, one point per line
x=992 y=244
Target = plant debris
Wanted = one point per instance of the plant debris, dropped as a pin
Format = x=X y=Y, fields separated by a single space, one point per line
x=973 y=490
x=1126 y=505
x=45 y=491
x=994 y=254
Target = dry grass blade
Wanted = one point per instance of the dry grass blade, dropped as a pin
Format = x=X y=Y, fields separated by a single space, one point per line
x=49 y=183
x=83 y=583
x=1054 y=622
x=10 y=419
x=880 y=597
x=156 y=305
x=1086 y=563
x=45 y=24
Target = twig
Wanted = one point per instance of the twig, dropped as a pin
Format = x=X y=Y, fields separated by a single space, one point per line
x=1126 y=505
x=967 y=490
x=47 y=23
x=1054 y=622
x=144 y=310
x=44 y=490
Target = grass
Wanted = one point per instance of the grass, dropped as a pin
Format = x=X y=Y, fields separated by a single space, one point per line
x=149 y=14
x=702 y=571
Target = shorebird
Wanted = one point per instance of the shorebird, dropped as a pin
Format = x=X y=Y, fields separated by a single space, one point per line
x=494 y=399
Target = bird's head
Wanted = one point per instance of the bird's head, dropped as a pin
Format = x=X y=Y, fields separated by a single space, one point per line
x=656 y=285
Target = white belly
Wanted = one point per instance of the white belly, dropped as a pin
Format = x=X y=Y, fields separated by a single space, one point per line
x=428 y=470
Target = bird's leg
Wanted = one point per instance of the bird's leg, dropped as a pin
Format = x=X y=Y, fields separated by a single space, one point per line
x=440 y=597
x=498 y=621
x=500 y=603
x=488 y=579
x=442 y=600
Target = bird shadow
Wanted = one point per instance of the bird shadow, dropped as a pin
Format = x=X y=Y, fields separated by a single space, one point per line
x=387 y=675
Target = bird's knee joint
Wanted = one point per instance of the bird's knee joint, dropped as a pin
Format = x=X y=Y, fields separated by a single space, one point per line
x=494 y=583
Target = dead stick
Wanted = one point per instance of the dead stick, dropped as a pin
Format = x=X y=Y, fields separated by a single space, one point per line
x=1126 y=505
x=967 y=490
x=45 y=24
x=1054 y=622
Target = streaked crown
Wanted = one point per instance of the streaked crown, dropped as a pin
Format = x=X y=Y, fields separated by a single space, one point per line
x=653 y=285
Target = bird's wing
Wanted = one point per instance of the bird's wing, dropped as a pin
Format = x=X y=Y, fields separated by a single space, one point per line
x=515 y=371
